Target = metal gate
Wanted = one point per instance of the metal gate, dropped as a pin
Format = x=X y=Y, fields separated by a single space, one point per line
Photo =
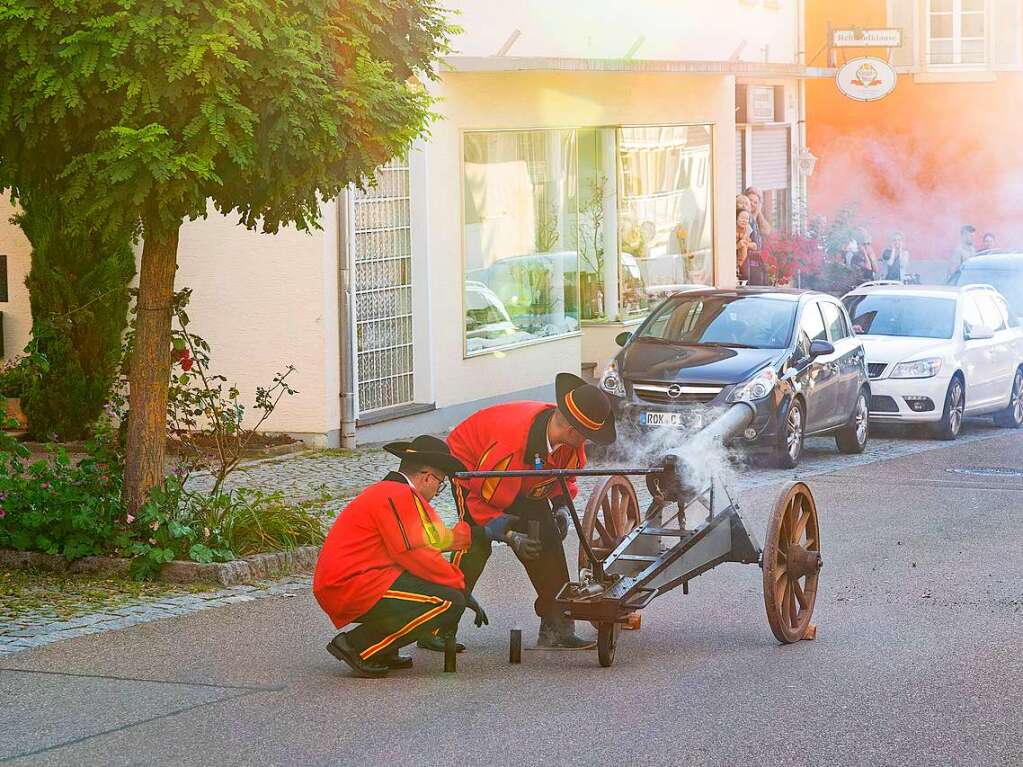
x=382 y=285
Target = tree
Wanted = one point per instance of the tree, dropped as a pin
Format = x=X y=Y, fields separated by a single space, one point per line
x=78 y=291
x=144 y=112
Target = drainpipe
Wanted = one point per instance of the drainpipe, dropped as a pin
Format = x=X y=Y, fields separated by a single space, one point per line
x=344 y=300
x=801 y=107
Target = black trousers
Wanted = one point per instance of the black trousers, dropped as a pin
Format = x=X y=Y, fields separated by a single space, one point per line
x=411 y=609
x=548 y=573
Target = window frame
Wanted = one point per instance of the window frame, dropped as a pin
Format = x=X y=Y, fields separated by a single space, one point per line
x=841 y=318
x=956 y=37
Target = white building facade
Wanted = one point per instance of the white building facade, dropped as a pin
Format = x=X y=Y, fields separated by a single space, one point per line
x=584 y=165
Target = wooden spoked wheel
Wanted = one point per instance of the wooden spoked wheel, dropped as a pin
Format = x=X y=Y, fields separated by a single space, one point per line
x=611 y=514
x=792 y=562
x=607 y=642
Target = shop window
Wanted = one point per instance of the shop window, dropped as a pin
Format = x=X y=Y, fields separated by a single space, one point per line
x=956 y=33
x=664 y=217
x=520 y=240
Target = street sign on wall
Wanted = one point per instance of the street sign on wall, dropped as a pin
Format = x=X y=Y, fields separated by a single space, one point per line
x=866 y=79
x=866 y=38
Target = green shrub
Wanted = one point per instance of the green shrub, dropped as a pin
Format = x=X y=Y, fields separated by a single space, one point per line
x=78 y=292
x=58 y=507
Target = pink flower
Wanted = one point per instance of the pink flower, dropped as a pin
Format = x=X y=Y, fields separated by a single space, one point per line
x=2 y=513
x=45 y=486
x=129 y=519
x=152 y=541
x=154 y=526
x=205 y=532
x=104 y=478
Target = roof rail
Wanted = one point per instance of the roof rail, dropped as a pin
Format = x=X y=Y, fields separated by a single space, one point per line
x=978 y=286
x=876 y=283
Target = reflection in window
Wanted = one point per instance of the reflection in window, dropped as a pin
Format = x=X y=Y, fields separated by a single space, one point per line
x=664 y=217
x=521 y=259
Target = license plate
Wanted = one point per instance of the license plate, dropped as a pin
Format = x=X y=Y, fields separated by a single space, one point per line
x=690 y=420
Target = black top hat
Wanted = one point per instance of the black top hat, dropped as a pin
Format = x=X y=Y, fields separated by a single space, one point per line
x=586 y=407
x=427 y=451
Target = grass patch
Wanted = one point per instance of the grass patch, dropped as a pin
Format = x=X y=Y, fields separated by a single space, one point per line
x=63 y=596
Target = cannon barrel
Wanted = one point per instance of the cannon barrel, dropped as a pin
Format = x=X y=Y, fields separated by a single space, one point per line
x=729 y=424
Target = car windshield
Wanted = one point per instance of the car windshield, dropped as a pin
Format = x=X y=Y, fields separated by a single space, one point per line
x=1008 y=283
x=879 y=314
x=758 y=322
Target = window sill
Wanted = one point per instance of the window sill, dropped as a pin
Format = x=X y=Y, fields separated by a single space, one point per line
x=394 y=413
x=500 y=350
x=954 y=76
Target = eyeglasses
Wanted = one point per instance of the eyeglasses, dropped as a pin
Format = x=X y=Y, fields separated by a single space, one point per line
x=441 y=482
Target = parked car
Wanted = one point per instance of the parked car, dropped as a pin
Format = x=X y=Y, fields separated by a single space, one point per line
x=1003 y=271
x=791 y=354
x=938 y=353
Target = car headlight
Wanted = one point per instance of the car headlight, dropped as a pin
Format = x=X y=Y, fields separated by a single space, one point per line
x=917 y=368
x=611 y=382
x=759 y=386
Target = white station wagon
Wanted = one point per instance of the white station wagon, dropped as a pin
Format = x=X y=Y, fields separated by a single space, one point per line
x=938 y=353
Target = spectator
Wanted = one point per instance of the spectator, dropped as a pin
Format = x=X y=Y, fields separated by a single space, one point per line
x=742 y=245
x=742 y=203
x=895 y=259
x=759 y=226
x=988 y=243
x=871 y=264
x=965 y=250
x=856 y=259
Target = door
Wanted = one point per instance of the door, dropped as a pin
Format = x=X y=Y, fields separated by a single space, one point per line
x=820 y=375
x=1003 y=357
x=978 y=359
x=848 y=356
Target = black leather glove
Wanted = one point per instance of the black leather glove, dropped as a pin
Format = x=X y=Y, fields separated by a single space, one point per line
x=525 y=547
x=481 y=616
x=562 y=520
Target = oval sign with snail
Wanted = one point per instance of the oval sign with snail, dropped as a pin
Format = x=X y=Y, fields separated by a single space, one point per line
x=866 y=78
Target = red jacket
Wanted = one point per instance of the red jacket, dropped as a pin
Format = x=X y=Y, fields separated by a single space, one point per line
x=388 y=529
x=495 y=439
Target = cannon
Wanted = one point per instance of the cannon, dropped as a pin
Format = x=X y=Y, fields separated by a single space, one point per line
x=627 y=557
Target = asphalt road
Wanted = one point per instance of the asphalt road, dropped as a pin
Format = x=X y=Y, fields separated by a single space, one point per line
x=917 y=660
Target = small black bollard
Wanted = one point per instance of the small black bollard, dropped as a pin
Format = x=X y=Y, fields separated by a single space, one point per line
x=450 y=654
x=515 y=646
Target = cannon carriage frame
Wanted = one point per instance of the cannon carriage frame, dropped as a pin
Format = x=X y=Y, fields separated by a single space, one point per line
x=628 y=558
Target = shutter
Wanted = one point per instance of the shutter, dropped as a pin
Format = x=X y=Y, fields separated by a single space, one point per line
x=1005 y=27
x=740 y=161
x=771 y=158
x=902 y=15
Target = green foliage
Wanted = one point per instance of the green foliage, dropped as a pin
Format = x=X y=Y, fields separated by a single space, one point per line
x=59 y=507
x=141 y=111
x=22 y=373
x=78 y=291
x=179 y=524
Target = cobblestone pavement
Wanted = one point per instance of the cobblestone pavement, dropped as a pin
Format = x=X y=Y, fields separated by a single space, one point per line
x=345 y=473
x=32 y=629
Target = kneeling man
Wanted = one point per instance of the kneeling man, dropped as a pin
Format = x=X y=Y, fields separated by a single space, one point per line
x=381 y=565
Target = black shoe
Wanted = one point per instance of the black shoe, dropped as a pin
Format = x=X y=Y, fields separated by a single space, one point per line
x=437 y=644
x=396 y=661
x=344 y=652
x=558 y=633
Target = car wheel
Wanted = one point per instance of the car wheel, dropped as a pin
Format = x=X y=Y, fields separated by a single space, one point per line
x=852 y=438
x=1012 y=416
x=951 y=422
x=790 y=436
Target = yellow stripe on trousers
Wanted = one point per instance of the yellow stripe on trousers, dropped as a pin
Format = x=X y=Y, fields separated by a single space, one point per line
x=411 y=596
x=410 y=626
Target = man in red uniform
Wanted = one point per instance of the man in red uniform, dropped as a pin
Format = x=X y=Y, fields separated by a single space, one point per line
x=526 y=435
x=381 y=565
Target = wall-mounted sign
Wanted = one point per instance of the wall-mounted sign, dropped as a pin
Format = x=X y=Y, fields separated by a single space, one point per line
x=760 y=107
x=866 y=79
x=866 y=38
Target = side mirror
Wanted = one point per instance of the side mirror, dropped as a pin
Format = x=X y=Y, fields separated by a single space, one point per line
x=623 y=338
x=979 y=332
x=820 y=349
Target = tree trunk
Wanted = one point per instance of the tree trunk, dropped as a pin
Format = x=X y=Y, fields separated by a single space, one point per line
x=149 y=375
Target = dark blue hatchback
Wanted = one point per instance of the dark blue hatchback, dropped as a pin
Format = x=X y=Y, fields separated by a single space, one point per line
x=791 y=354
